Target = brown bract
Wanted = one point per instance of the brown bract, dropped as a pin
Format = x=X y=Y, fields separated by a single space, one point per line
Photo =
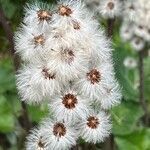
x=39 y=39
x=141 y=27
x=68 y=55
x=69 y=101
x=64 y=11
x=47 y=75
x=111 y=5
x=41 y=144
x=44 y=15
x=94 y=76
x=59 y=129
x=131 y=7
x=76 y=25
x=92 y=122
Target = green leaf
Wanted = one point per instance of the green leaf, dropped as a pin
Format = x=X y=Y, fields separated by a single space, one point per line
x=37 y=112
x=147 y=78
x=125 y=117
x=7 y=122
x=14 y=102
x=7 y=76
x=6 y=81
x=9 y=8
x=125 y=77
x=129 y=93
x=138 y=140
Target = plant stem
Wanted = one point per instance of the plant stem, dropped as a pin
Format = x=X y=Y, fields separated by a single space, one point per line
x=141 y=87
x=9 y=35
x=110 y=26
x=75 y=147
x=88 y=146
x=109 y=143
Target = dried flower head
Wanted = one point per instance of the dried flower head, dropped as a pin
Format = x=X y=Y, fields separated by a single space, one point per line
x=76 y=25
x=39 y=39
x=95 y=128
x=47 y=75
x=94 y=76
x=44 y=15
x=58 y=135
x=110 y=5
x=69 y=101
x=110 y=8
x=35 y=140
x=107 y=9
x=69 y=106
x=64 y=11
x=59 y=129
x=130 y=62
x=92 y=122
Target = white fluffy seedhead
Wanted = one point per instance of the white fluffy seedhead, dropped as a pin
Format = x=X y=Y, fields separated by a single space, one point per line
x=130 y=8
x=70 y=106
x=140 y=30
x=99 y=85
x=130 y=62
x=58 y=135
x=107 y=9
x=69 y=62
x=30 y=43
x=112 y=96
x=126 y=31
x=93 y=5
x=38 y=15
x=110 y=8
x=36 y=83
x=95 y=128
x=93 y=82
x=138 y=43
x=98 y=47
x=35 y=140
x=147 y=34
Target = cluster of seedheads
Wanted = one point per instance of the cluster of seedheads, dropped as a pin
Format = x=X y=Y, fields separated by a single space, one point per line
x=67 y=63
x=106 y=9
x=135 y=18
x=135 y=27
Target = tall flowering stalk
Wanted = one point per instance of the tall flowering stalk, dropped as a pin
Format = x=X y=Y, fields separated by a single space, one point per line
x=67 y=62
x=135 y=29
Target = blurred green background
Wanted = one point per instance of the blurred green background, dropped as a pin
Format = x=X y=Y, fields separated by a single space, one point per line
x=129 y=131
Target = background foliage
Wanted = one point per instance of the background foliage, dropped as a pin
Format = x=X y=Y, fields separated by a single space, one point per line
x=129 y=131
